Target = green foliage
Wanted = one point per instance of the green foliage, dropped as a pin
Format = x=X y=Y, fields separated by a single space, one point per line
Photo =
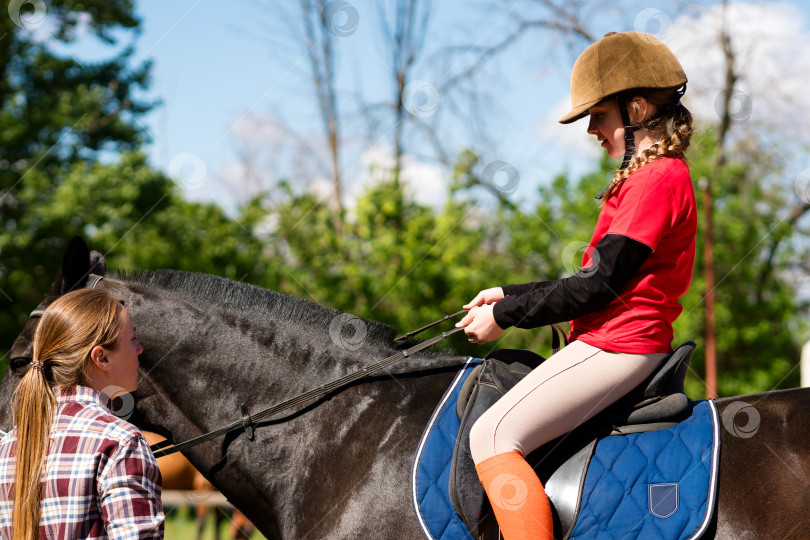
x=63 y=122
x=392 y=260
x=59 y=116
x=396 y=261
x=757 y=310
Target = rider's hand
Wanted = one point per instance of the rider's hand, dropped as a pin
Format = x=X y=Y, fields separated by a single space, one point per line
x=480 y=325
x=487 y=296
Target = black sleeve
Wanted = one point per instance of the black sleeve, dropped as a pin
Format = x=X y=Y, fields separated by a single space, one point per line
x=586 y=291
x=523 y=288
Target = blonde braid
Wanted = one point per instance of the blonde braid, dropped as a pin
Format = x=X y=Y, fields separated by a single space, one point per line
x=673 y=145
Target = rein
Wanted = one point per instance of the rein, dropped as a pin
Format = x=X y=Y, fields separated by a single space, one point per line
x=246 y=423
x=164 y=448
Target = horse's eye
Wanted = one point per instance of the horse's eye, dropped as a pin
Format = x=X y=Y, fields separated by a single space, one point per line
x=19 y=362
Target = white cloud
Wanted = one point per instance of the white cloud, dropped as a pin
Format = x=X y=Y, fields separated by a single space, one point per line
x=425 y=183
x=323 y=190
x=258 y=129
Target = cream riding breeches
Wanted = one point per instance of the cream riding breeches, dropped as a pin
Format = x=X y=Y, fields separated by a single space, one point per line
x=561 y=393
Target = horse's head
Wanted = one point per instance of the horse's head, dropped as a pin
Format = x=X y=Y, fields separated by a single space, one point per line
x=77 y=264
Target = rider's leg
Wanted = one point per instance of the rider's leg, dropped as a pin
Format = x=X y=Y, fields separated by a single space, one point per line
x=517 y=497
x=560 y=394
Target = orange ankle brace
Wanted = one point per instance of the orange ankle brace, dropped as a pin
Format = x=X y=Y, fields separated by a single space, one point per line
x=517 y=497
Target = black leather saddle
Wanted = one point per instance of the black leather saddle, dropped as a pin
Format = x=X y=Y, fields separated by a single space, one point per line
x=658 y=402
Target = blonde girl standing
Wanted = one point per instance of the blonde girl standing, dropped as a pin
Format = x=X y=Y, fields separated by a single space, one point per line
x=70 y=468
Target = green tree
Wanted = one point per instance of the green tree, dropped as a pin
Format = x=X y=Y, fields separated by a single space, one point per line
x=70 y=165
x=56 y=112
x=397 y=262
x=757 y=309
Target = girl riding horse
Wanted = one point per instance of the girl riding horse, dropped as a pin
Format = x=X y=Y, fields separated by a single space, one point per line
x=623 y=301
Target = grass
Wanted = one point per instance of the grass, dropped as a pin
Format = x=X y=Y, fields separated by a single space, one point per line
x=181 y=524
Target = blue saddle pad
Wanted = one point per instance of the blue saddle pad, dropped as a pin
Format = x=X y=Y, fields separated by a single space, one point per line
x=656 y=484
x=430 y=475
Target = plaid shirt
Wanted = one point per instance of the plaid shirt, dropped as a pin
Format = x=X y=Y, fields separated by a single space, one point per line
x=100 y=479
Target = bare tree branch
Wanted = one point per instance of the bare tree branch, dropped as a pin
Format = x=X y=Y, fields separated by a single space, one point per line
x=768 y=265
x=403 y=34
x=564 y=18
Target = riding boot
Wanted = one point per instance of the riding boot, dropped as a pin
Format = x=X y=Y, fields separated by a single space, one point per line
x=517 y=497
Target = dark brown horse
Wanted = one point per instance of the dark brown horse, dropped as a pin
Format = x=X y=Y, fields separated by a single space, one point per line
x=340 y=467
x=179 y=474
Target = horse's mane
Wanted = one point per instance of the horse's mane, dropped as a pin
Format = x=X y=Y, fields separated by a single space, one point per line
x=246 y=298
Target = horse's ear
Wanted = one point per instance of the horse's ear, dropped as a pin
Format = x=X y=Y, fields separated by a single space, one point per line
x=98 y=265
x=75 y=265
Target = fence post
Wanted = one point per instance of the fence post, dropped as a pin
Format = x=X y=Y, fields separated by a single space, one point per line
x=805 y=365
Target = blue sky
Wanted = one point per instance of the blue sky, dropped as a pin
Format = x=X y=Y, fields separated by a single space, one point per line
x=214 y=66
x=216 y=63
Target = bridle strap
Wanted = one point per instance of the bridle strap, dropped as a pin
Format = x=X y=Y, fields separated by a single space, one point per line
x=164 y=449
x=92 y=281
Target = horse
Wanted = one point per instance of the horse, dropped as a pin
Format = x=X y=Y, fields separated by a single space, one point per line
x=178 y=473
x=339 y=466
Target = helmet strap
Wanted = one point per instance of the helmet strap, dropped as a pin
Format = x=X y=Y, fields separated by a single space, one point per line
x=630 y=129
x=629 y=133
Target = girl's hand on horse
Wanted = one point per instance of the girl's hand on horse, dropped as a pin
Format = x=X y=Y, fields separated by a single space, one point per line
x=480 y=325
x=487 y=296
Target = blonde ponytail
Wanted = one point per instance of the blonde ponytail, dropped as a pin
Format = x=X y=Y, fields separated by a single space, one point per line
x=69 y=329
x=34 y=416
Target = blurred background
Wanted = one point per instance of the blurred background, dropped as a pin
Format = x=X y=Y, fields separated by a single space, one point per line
x=392 y=158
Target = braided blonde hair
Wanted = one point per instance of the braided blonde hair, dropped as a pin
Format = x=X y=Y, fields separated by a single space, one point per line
x=676 y=119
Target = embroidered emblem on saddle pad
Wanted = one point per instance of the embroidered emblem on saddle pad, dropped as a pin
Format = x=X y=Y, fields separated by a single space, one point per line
x=655 y=484
x=431 y=467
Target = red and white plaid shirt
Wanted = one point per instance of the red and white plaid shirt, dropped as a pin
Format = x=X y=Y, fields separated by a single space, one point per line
x=100 y=479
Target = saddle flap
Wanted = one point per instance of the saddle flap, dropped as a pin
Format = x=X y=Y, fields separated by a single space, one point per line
x=467 y=390
x=494 y=378
x=502 y=376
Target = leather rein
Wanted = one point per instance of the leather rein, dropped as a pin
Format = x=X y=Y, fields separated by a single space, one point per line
x=247 y=421
x=165 y=448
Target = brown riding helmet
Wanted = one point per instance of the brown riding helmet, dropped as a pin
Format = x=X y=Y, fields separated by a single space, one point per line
x=619 y=62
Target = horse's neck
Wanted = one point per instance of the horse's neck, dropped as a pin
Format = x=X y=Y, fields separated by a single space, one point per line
x=202 y=362
x=311 y=454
